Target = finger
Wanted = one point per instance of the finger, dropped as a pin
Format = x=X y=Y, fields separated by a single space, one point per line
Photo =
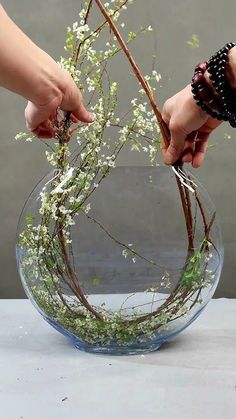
x=166 y=118
x=73 y=102
x=189 y=147
x=176 y=147
x=73 y=119
x=44 y=132
x=200 y=150
x=167 y=111
x=187 y=155
x=34 y=116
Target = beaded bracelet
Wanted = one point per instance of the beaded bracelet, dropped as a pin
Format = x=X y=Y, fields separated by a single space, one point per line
x=203 y=94
x=216 y=67
x=221 y=105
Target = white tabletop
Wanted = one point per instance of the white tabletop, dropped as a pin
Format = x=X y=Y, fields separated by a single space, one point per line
x=43 y=377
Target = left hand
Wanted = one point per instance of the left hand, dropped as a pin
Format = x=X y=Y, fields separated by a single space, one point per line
x=66 y=95
x=190 y=128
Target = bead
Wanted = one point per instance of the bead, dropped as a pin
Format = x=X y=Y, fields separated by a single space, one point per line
x=203 y=95
x=202 y=67
x=198 y=78
x=211 y=101
x=200 y=87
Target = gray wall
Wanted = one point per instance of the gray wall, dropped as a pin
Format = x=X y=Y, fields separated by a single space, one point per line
x=22 y=165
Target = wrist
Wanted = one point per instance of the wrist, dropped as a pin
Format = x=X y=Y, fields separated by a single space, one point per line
x=48 y=82
x=25 y=68
x=230 y=70
x=213 y=84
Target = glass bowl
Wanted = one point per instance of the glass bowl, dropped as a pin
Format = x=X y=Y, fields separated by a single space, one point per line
x=132 y=271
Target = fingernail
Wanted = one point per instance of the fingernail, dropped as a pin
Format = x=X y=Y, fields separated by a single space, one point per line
x=92 y=116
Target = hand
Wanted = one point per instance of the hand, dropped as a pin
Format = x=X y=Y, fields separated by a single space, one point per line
x=189 y=127
x=39 y=116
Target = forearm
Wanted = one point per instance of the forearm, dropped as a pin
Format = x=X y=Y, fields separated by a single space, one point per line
x=24 y=68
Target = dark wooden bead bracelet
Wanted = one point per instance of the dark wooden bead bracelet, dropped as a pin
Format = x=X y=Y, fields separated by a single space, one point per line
x=216 y=68
x=219 y=101
x=203 y=94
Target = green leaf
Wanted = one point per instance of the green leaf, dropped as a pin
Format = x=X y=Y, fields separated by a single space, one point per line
x=194 y=41
x=28 y=219
x=96 y=281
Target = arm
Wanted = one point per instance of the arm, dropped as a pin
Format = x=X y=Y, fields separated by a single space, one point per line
x=28 y=71
x=190 y=127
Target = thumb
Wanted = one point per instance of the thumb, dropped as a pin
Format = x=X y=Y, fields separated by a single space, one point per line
x=72 y=101
x=176 y=147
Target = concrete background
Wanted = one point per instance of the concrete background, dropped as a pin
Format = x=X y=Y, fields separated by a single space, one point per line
x=22 y=165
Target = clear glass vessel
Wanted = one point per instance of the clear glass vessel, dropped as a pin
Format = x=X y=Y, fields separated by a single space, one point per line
x=126 y=277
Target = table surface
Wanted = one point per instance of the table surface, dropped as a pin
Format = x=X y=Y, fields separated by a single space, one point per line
x=43 y=376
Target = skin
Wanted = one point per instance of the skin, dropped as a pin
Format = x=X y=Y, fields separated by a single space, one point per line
x=30 y=72
x=189 y=126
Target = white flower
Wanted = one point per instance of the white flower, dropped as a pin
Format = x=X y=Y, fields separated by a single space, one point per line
x=125 y=253
x=24 y=136
x=135 y=147
x=87 y=208
x=142 y=107
x=63 y=209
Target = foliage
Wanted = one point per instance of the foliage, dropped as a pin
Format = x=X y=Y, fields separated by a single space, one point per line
x=194 y=41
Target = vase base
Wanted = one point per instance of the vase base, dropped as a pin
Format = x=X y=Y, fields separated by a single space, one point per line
x=110 y=349
x=117 y=350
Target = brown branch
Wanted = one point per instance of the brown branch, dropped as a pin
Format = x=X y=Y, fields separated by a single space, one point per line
x=96 y=31
x=187 y=214
x=204 y=219
x=77 y=49
x=75 y=282
x=163 y=127
x=134 y=253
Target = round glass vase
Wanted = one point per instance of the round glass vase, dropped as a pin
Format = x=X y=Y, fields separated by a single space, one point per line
x=129 y=273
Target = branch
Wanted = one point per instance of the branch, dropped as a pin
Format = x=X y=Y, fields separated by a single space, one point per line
x=163 y=127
